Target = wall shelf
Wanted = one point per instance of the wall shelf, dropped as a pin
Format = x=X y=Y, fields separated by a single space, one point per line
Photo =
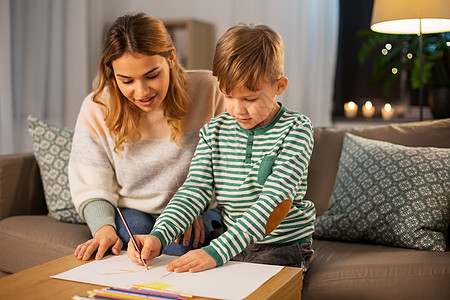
x=194 y=41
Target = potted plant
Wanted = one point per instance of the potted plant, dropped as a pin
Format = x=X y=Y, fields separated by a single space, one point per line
x=400 y=55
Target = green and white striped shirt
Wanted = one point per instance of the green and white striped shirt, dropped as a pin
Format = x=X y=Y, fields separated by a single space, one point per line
x=250 y=171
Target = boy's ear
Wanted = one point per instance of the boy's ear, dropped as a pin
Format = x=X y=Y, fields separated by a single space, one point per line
x=281 y=85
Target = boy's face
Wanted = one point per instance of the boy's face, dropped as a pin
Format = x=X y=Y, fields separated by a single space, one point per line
x=255 y=108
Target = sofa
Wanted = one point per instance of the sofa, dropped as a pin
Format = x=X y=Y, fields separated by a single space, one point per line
x=340 y=268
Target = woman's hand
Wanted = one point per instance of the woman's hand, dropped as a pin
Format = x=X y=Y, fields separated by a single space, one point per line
x=151 y=248
x=104 y=239
x=199 y=234
x=193 y=261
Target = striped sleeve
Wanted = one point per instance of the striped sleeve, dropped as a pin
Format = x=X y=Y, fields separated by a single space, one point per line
x=190 y=200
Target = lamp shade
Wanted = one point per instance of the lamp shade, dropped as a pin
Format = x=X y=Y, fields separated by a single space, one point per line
x=411 y=16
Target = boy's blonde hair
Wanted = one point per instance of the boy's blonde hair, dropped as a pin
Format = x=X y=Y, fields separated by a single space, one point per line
x=138 y=33
x=247 y=54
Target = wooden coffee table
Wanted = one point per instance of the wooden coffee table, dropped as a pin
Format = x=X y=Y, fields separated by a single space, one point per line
x=35 y=283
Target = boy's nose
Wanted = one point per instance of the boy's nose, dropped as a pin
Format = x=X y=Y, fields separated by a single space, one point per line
x=238 y=108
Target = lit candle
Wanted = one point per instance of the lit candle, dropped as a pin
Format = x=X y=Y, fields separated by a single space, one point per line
x=387 y=112
x=350 y=109
x=368 y=110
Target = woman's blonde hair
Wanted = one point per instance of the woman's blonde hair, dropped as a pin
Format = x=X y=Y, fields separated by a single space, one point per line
x=246 y=54
x=129 y=34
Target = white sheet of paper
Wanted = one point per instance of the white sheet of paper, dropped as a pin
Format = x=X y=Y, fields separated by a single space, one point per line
x=234 y=280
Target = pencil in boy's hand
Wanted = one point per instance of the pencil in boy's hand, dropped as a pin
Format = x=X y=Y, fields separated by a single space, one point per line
x=131 y=236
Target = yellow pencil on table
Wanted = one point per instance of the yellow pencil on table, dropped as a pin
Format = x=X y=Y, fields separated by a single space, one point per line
x=131 y=236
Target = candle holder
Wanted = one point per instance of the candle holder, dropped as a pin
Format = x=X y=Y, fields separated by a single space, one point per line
x=350 y=110
x=387 y=112
x=368 y=110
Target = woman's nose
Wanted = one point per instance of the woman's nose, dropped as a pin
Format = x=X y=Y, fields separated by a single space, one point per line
x=141 y=90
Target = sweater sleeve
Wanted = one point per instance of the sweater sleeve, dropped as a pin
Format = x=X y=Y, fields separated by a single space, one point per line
x=98 y=213
x=91 y=174
x=289 y=173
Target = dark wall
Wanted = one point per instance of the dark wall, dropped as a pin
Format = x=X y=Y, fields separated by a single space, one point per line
x=352 y=78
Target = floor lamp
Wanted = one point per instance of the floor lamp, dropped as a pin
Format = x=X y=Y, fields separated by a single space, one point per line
x=412 y=17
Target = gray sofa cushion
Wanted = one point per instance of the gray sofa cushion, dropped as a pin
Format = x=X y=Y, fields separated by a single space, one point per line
x=39 y=239
x=389 y=194
x=324 y=162
x=52 y=145
x=21 y=191
x=363 y=271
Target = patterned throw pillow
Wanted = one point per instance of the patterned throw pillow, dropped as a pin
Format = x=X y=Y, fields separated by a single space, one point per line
x=52 y=145
x=389 y=194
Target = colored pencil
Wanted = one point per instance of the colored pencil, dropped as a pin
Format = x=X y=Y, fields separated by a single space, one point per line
x=158 y=293
x=134 y=294
x=126 y=294
x=131 y=236
x=122 y=295
x=140 y=287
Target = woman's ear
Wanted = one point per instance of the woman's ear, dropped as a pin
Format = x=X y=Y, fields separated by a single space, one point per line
x=172 y=58
x=281 y=85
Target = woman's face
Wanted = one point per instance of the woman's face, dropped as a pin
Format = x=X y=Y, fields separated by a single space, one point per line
x=143 y=79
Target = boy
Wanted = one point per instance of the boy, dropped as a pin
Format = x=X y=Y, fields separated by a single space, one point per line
x=254 y=158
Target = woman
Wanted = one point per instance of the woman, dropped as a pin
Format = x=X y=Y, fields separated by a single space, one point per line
x=136 y=134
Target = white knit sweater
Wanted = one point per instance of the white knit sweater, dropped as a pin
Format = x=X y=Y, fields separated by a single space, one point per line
x=150 y=172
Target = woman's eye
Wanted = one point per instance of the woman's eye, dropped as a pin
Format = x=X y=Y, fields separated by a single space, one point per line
x=127 y=82
x=152 y=77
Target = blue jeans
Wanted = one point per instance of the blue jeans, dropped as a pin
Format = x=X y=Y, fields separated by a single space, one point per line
x=142 y=223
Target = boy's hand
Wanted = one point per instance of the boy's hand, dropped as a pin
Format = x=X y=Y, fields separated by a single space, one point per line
x=150 y=248
x=193 y=261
